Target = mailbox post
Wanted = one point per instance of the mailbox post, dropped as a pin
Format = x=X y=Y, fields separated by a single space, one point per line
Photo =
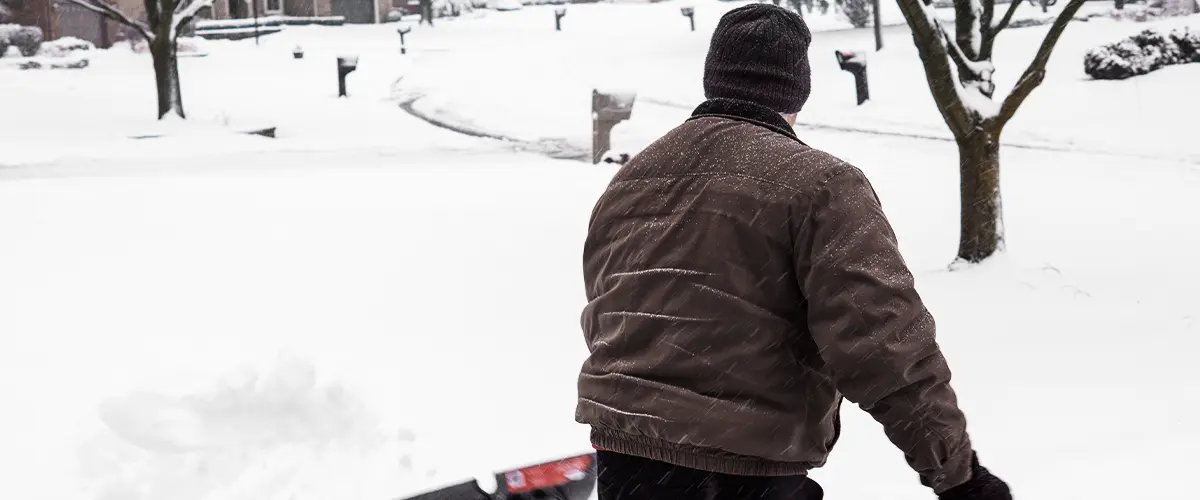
x=403 y=30
x=690 y=13
x=608 y=109
x=856 y=64
x=559 y=13
x=345 y=65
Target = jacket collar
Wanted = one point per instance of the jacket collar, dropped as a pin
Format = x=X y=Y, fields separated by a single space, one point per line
x=745 y=111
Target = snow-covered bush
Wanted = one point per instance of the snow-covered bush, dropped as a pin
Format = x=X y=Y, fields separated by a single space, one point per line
x=64 y=46
x=25 y=38
x=1142 y=53
x=38 y=63
x=72 y=44
x=184 y=45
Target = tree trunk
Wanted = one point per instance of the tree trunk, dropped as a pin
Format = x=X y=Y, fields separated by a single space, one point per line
x=981 y=229
x=166 y=76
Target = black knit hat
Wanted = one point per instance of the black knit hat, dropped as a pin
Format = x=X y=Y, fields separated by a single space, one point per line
x=759 y=53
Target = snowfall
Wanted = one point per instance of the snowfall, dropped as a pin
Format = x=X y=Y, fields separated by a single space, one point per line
x=385 y=297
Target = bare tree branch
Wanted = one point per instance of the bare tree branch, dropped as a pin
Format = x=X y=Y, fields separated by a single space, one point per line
x=985 y=19
x=185 y=14
x=1036 y=71
x=956 y=53
x=967 y=27
x=990 y=32
x=929 y=38
x=106 y=10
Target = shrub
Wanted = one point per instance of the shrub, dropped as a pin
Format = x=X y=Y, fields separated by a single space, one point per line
x=25 y=38
x=64 y=46
x=1142 y=53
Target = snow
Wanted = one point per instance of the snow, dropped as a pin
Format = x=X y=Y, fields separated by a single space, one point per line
x=442 y=301
x=368 y=306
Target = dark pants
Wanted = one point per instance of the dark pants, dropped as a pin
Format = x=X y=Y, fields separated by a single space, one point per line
x=625 y=477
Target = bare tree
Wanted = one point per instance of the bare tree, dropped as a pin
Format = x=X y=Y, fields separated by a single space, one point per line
x=959 y=71
x=165 y=19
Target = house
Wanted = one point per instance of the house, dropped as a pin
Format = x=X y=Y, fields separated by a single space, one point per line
x=59 y=19
x=354 y=11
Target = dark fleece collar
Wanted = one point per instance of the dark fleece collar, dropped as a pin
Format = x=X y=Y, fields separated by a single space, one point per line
x=745 y=111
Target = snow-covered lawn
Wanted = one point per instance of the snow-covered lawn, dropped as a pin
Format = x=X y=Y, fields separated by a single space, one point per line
x=549 y=76
x=428 y=319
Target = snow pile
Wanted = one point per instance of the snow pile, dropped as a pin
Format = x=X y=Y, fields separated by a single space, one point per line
x=1142 y=53
x=278 y=435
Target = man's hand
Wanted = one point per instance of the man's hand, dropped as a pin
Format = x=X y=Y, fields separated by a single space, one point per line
x=982 y=486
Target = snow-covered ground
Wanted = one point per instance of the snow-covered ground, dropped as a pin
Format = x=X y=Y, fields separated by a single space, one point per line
x=368 y=305
x=430 y=321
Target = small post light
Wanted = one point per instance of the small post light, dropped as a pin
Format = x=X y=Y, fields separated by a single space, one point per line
x=559 y=13
x=404 y=29
x=690 y=13
x=345 y=65
x=298 y=52
x=856 y=64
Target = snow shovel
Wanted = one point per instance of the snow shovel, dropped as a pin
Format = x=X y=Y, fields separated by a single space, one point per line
x=571 y=478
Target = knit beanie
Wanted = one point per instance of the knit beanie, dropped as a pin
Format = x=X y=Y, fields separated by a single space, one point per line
x=759 y=53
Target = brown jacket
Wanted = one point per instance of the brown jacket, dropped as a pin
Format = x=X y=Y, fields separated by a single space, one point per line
x=739 y=284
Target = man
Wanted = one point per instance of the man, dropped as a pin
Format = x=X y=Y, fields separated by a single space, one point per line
x=740 y=283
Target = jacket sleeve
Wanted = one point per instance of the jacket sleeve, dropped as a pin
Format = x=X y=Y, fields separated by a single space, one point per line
x=873 y=331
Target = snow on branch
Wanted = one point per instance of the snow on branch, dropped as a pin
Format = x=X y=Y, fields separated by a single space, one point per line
x=932 y=45
x=968 y=26
x=979 y=69
x=104 y=9
x=1036 y=72
x=185 y=11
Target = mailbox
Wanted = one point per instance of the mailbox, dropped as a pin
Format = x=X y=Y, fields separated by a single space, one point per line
x=559 y=13
x=345 y=65
x=690 y=13
x=855 y=63
x=608 y=109
x=403 y=30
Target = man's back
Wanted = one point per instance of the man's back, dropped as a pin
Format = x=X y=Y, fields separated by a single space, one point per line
x=740 y=284
x=695 y=313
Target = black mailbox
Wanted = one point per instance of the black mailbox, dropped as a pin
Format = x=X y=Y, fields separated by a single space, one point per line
x=403 y=30
x=559 y=13
x=856 y=63
x=690 y=13
x=345 y=65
